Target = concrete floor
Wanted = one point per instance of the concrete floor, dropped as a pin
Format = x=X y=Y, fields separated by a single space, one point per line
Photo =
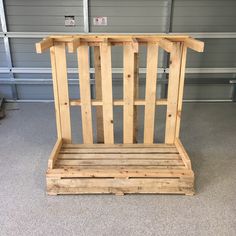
x=27 y=136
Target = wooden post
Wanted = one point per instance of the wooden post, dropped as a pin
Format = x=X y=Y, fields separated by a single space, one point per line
x=108 y=122
x=172 y=96
x=181 y=89
x=136 y=95
x=98 y=89
x=150 y=94
x=128 y=80
x=85 y=94
x=60 y=88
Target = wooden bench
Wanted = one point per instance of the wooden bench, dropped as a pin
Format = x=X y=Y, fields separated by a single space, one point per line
x=130 y=167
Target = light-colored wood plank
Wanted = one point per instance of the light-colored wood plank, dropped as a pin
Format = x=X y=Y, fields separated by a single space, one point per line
x=136 y=96
x=128 y=93
x=181 y=89
x=135 y=45
x=44 y=45
x=85 y=94
x=84 y=186
x=63 y=94
x=150 y=94
x=118 y=162
x=108 y=122
x=54 y=153
x=56 y=92
x=194 y=44
x=86 y=183
x=137 y=102
x=172 y=96
x=107 y=156
x=73 y=45
x=120 y=150
x=118 y=146
x=128 y=171
x=166 y=44
x=183 y=153
x=98 y=88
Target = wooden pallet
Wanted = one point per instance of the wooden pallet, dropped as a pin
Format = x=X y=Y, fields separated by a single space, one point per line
x=118 y=168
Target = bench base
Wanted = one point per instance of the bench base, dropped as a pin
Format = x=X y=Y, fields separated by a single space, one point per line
x=119 y=169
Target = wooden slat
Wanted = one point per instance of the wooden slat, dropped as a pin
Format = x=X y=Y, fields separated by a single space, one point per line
x=58 y=57
x=127 y=171
x=86 y=183
x=98 y=88
x=135 y=45
x=137 y=102
x=108 y=156
x=119 y=38
x=118 y=186
x=85 y=94
x=194 y=44
x=118 y=146
x=118 y=162
x=54 y=154
x=128 y=80
x=120 y=150
x=172 y=96
x=150 y=94
x=73 y=45
x=166 y=44
x=56 y=92
x=136 y=96
x=108 y=122
x=44 y=45
x=183 y=153
x=181 y=89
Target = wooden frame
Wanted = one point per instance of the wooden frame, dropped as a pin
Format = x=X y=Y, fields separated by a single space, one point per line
x=107 y=167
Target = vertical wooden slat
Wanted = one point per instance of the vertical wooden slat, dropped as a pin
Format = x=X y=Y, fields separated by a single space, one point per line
x=106 y=72
x=128 y=80
x=59 y=72
x=98 y=88
x=85 y=94
x=172 y=96
x=150 y=94
x=181 y=89
x=136 y=95
x=55 y=92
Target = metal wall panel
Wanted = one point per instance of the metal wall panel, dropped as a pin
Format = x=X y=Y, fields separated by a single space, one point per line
x=204 y=16
x=24 y=54
x=129 y=16
x=3 y=61
x=207 y=92
x=43 y=15
x=123 y=16
x=42 y=91
x=218 y=53
x=5 y=91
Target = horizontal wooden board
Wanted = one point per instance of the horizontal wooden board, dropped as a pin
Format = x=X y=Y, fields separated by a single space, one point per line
x=127 y=171
x=119 y=162
x=118 y=145
x=121 y=150
x=142 y=185
x=112 y=156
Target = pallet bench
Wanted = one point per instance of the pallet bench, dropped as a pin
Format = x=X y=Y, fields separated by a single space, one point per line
x=130 y=167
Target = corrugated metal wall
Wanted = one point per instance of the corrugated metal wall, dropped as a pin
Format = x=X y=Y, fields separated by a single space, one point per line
x=123 y=16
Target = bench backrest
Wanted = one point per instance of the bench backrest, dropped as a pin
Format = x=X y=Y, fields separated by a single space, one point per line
x=175 y=45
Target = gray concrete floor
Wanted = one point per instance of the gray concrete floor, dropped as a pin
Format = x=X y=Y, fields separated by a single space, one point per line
x=27 y=136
